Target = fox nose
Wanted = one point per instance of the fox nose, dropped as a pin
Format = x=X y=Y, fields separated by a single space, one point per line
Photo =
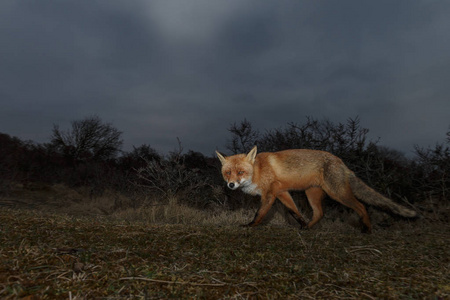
x=231 y=185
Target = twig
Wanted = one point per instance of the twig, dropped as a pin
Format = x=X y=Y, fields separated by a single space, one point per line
x=364 y=248
x=172 y=282
x=301 y=239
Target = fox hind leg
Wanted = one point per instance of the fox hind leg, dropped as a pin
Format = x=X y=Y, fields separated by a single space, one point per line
x=315 y=196
x=345 y=196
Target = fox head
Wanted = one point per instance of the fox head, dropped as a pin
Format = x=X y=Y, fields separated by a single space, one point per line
x=237 y=170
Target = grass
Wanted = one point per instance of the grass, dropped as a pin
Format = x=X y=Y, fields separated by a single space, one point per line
x=57 y=256
x=54 y=255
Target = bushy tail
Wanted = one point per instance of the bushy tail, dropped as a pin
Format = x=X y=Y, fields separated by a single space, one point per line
x=370 y=196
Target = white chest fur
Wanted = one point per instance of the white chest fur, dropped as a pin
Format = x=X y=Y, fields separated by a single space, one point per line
x=251 y=189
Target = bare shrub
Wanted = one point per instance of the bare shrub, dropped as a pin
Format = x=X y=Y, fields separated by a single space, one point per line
x=320 y=135
x=89 y=138
x=170 y=178
x=244 y=137
x=435 y=165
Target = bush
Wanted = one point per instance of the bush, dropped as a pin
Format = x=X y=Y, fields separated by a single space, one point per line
x=434 y=175
x=171 y=178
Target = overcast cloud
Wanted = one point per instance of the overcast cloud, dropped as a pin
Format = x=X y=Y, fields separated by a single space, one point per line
x=158 y=70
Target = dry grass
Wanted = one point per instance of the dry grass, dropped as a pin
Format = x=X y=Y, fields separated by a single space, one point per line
x=174 y=251
x=174 y=213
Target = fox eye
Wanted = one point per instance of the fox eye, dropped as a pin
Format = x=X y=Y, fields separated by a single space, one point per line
x=228 y=173
x=240 y=172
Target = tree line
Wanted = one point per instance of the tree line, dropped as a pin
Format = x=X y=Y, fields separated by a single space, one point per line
x=89 y=155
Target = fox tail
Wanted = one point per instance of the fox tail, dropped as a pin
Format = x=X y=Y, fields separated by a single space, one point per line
x=370 y=196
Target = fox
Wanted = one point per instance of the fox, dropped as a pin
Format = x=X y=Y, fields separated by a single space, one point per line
x=272 y=175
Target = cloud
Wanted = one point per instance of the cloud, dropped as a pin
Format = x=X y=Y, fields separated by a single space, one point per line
x=165 y=69
x=185 y=22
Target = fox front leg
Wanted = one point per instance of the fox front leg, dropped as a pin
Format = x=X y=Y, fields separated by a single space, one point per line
x=266 y=203
x=287 y=200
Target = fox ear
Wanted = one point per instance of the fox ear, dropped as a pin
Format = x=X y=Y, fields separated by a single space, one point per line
x=221 y=157
x=252 y=155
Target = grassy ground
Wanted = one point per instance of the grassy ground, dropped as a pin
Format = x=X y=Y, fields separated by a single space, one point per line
x=58 y=256
x=52 y=251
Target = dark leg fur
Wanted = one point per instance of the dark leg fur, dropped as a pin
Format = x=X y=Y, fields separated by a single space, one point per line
x=287 y=201
x=300 y=220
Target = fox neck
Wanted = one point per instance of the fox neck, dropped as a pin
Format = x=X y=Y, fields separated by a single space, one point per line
x=251 y=188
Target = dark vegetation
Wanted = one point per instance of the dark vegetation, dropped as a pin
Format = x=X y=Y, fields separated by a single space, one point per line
x=81 y=219
x=89 y=155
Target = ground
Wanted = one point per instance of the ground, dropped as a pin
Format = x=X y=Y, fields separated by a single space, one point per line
x=60 y=256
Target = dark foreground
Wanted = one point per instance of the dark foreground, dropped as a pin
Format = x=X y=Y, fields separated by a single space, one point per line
x=61 y=257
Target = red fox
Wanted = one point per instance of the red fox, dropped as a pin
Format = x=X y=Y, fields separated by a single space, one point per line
x=273 y=174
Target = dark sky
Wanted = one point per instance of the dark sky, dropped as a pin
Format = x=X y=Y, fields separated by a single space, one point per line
x=158 y=70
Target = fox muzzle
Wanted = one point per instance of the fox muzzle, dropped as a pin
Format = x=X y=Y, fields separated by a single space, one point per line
x=233 y=185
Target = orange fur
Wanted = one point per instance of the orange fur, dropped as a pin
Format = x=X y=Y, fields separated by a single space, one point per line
x=272 y=175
